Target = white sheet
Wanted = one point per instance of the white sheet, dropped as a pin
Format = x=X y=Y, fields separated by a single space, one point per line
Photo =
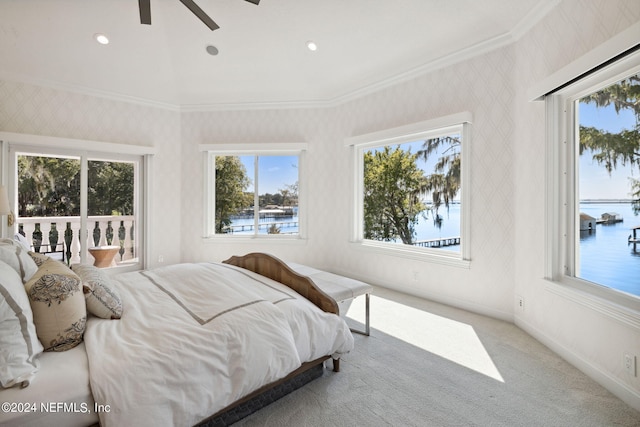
x=62 y=385
x=194 y=338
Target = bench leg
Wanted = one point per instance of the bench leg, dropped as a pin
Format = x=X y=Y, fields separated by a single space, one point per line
x=366 y=319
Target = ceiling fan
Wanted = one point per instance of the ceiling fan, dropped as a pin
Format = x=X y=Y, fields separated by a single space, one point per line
x=145 y=12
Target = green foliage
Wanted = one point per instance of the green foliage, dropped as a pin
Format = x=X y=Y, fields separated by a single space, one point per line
x=50 y=186
x=610 y=149
x=231 y=181
x=391 y=198
x=273 y=229
x=110 y=188
x=444 y=183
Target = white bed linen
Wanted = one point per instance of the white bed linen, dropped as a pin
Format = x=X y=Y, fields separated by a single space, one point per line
x=194 y=338
x=62 y=385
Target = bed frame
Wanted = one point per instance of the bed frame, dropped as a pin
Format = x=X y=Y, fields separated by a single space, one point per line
x=273 y=268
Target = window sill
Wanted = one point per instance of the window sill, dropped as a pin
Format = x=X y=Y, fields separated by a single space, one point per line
x=435 y=256
x=616 y=305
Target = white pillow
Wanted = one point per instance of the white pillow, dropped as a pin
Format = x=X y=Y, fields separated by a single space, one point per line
x=19 y=343
x=101 y=297
x=22 y=240
x=12 y=253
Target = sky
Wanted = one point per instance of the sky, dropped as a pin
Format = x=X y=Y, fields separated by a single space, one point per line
x=595 y=182
x=274 y=172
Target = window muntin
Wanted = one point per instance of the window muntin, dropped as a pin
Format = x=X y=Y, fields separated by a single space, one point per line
x=395 y=160
x=61 y=196
x=254 y=195
x=580 y=184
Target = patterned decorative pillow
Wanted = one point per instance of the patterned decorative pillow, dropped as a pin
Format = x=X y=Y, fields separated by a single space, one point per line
x=19 y=343
x=12 y=253
x=38 y=258
x=57 y=301
x=102 y=299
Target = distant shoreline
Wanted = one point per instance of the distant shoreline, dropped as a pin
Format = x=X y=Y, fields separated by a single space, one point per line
x=602 y=201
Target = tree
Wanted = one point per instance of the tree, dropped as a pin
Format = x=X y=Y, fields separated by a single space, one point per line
x=231 y=181
x=444 y=183
x=48 y=186
x=110 y=189
x=391 y=199
x=610 y=149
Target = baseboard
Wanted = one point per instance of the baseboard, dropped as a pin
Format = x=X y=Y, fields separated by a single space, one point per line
x=619 y=389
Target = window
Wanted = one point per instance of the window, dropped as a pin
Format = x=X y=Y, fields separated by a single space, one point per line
x=63 y=194
x=410 y=194
x=594 y=191
x=253 y=192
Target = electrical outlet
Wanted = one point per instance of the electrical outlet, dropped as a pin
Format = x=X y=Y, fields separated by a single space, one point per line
x=630 y=364
x=160 y=259
x=520 y=303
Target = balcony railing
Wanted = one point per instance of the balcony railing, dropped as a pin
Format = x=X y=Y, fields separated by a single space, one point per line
x=61 y=235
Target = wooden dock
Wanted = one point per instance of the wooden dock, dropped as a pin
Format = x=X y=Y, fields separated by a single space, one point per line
x=438 y=243
x=261 y=226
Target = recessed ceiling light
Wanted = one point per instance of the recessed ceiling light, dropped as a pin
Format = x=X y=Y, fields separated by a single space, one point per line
x=212 y=50
x=312 y=46
x=101 y=38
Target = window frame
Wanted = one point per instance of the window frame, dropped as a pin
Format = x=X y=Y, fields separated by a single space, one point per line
x=210 y=151
x=562 y=196
x=460 y=122
x=12 y=144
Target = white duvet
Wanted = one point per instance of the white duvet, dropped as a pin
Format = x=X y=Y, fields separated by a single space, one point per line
x=194 y=338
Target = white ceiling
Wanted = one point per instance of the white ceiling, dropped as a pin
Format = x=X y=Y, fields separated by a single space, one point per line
x=263 y=57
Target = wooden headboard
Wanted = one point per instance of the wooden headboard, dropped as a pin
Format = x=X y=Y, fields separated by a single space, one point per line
x=273 y=268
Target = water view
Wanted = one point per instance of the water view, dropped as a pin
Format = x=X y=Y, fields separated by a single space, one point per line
x=606 y=256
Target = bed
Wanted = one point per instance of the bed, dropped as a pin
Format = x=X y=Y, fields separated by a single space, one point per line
x=176 y=356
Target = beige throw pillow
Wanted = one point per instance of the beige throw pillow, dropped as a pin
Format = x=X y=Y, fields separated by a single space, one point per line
x=57 y=301
x=102 y=299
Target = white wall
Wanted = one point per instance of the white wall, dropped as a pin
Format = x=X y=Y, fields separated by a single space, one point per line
x=592 y=340
x=36 y=110
x=484 y=86
x=507 y=190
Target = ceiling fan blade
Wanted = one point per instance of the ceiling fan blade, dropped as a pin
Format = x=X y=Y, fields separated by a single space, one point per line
x=145 y=11
x=254 y=1
x=195 y=9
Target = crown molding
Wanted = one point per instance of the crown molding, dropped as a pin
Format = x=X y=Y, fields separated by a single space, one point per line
x=85 y=90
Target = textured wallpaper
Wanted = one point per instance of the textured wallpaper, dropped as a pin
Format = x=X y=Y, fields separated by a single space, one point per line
x=31 y=109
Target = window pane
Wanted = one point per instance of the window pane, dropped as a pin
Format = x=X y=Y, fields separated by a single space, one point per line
x=412 y=193
x=48 y=203
x=278 y=190
x=234 y=195
x=111 y=212
x=608 y=167
x=275 y=211
x=48 y=186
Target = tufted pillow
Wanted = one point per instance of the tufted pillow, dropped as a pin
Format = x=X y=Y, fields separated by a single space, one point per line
x=57 y=301
x=19 y=343
x=102 y=299
x=12 y=253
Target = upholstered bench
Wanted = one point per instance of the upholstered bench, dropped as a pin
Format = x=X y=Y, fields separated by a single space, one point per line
x=340 y=288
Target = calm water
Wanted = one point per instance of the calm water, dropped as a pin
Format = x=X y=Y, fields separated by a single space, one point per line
x=606 y=257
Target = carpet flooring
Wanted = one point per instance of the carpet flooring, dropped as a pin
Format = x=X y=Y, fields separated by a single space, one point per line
x=427 y=364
